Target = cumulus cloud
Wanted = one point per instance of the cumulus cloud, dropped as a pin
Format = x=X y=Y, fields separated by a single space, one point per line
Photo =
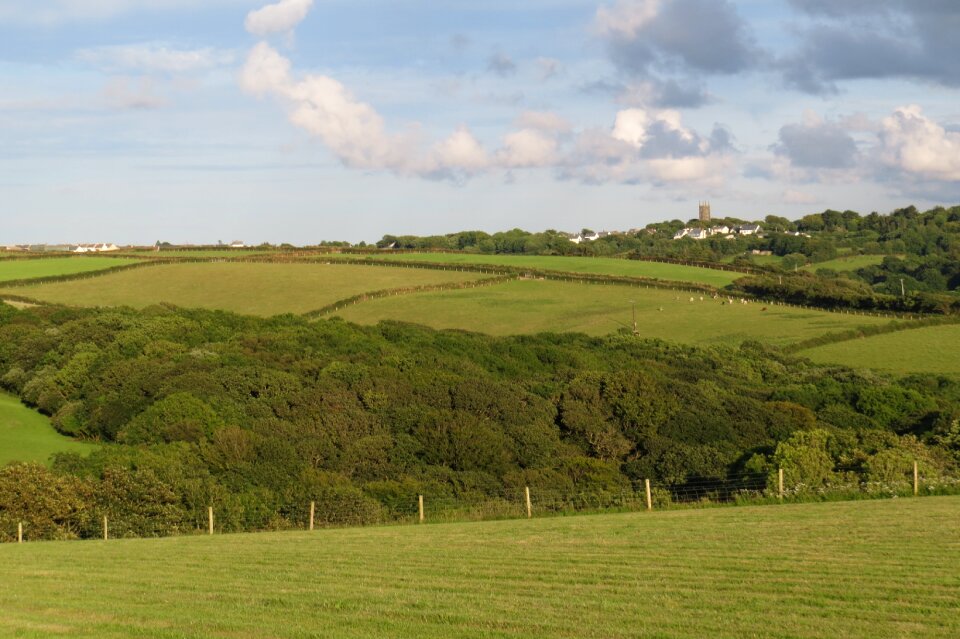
x=649 y=38
x=154 y=58
x=869 y=39
x=642 y=144
x=914 y=144
x=816 y=144
x=281 y=17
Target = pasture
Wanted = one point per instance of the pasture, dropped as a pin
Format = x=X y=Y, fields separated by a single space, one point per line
x=249 y=288
x=851 y=263
x=591 y=265
x=533 y=306
x=844 y=569
x=922 y=350
x=21 y=269
x=27 y=436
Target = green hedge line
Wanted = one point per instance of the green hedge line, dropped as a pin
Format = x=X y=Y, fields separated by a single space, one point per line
x=869 y=331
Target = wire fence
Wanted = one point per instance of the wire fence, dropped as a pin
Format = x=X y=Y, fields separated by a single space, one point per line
x=354 y=508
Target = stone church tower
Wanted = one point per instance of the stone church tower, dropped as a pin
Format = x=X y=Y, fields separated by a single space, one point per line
x=704 y=211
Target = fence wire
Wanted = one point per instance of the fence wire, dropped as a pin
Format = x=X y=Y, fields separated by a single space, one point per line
x=356 y=509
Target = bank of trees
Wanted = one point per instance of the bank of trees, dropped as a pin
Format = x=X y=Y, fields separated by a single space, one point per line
x=198 y=407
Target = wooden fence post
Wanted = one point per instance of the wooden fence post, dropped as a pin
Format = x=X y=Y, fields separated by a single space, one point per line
x=210 y=519
x=646 y=484
x=312 y=511
x=780 y=482
x=106 y=534
x=20 y=532
x=420 y=506
x=916 y=480
x=529 y=505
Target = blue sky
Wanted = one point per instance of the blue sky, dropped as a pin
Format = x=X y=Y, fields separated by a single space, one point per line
x=136 y=120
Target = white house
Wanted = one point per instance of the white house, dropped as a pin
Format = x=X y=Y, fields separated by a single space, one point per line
x=237 y=244
x=749 y=229
x=681 y=233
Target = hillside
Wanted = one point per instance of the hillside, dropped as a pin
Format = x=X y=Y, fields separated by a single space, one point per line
x=27 y=436
x=854 y=569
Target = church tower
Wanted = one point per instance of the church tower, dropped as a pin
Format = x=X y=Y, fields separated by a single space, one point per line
x=704 y=211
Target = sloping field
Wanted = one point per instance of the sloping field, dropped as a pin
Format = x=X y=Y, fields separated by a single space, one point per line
x=21 y=269
x=593 y=265
x=27 y=436
x=851 y=569
x=256 y=289
x=935 y=349
x=532 y=306
x=851 y=263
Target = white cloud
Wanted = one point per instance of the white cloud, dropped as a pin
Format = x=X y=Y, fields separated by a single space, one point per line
x=281 y=17
x=626 y=18
x=528 y=148
x=642 y=145
x=543 y=121
x=460 y=152
x=154 y=57
x=915 y=144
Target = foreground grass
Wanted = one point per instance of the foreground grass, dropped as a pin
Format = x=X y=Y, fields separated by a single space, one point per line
x=21 y=269
x=27 y=436
x=852 y=569
x=923 y=350
x=592 y=265
x=533 y=306
x=255 y=289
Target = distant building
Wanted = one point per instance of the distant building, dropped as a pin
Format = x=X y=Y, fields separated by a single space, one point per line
x=237 y=244
x=704 y=211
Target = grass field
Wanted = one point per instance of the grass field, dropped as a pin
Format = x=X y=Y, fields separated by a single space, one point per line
x=593 y=265
x=848 y=569
x=532 y=306
x=256 y=289
x=851 y=263
x=21 y=269
x=927 y=350
x=27 y=436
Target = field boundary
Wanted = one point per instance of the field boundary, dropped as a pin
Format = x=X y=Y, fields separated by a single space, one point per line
x=23 y=522
x=870 y=331
x=391 y=292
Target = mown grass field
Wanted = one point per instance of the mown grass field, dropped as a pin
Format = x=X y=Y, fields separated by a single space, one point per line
x=250 y=288
x=533 y=306
x=20 y=269
x=925 y=350
x=847 y=569
x=27 y=436
x=593 y=265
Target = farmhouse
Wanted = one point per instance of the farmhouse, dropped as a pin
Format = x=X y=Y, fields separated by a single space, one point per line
x=94 y=248
x=237 y=244
x=749 y=229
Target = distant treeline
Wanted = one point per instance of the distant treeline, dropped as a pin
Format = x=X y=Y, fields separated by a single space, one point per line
x=923 y=249
x=199 y=408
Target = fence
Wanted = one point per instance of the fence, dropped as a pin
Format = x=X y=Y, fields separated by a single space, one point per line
x=774 y=487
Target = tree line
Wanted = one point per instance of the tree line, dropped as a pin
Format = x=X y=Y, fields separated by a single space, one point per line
x=197 y=407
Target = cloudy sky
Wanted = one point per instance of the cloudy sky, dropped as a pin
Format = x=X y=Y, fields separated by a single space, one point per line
x=304 y=120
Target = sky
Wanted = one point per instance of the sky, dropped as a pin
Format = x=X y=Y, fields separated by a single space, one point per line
x=133 y=121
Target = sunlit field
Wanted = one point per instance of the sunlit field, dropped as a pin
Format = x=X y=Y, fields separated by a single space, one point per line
x=847 y=569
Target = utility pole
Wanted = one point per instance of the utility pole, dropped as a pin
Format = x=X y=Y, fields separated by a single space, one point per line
x=903 y=291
